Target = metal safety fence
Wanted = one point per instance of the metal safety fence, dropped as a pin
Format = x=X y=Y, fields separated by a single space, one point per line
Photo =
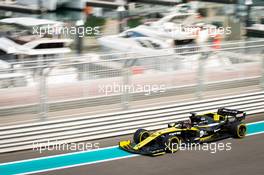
x=36 y=89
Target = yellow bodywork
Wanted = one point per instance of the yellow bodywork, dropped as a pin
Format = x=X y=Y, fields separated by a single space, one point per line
x=154 y=136
x=127 y=143
x=203 y=139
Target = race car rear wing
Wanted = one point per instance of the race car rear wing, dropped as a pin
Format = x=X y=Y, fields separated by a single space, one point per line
x=231 y=112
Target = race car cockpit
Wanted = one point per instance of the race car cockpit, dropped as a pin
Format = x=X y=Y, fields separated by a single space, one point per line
x=205 y=119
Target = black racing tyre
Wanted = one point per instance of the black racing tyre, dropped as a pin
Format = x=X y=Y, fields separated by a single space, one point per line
x=140 y=135
x=238 y=130
x=171 y=143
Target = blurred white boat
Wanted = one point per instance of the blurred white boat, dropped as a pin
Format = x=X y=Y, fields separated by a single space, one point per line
x=183 y=27
x=139 y=44
x=180 y=28
x=17 y=34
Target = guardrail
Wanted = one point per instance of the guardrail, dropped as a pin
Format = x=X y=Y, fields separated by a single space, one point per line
x=21 y=137
x=113 y=99
x=186 y=67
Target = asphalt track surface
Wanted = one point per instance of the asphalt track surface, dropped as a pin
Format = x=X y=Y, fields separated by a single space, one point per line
x=245 y=157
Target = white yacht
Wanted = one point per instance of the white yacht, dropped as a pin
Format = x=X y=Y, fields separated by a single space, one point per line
x=17 y=32
x=173 y=17
x=168 y=27
x=139 y=44
x=183 y=28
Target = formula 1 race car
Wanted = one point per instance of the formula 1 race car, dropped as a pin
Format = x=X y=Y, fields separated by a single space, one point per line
x=198 y=129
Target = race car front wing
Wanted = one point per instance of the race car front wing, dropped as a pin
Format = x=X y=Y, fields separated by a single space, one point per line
x=147 y=150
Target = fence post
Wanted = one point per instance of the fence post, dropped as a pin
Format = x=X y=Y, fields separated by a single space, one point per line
x=43 y=95
x=125 y=89
x=85 y=79
x=200 y=74
x=262 y=71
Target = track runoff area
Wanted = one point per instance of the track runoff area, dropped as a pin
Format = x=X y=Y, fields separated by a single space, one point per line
x=63 y=161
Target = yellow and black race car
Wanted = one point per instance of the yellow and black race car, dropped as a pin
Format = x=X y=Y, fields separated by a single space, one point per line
x=198 y=129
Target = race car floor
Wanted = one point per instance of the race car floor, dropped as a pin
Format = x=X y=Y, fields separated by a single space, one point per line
x=245 y=157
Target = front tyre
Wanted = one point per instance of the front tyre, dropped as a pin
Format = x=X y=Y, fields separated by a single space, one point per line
x=140 y=135
x=239 y=130
x=171 y=143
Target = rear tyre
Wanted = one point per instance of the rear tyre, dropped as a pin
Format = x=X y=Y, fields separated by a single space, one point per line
x=238 y=130
x=171 y=143
x=140 y=135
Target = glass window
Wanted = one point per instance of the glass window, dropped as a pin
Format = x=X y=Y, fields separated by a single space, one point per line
x=132 y=34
